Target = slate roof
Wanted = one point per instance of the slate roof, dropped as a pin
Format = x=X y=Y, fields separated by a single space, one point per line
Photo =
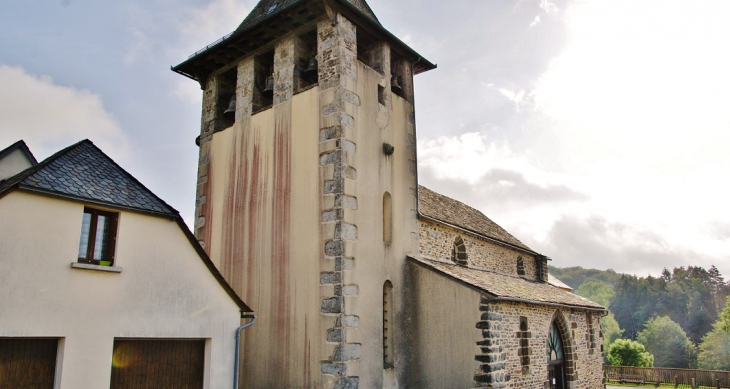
x=507 y=288
x=554 y=281
x=269 y=8
x=82 y=171
x=23 y=147
x=448 y=210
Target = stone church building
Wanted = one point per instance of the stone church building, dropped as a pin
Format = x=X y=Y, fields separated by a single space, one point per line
x=309 y=205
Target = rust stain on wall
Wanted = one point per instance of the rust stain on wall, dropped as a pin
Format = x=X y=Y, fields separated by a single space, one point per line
x=307 y=353
x=281 y=219
x=255 y=243
x=207 y=208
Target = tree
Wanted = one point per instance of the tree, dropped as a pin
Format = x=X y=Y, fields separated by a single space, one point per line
x=596 y=291
x=715 y=347
x=625 y=352
x=668 y=343
x=636 y=301
x=725 y=317
x=611 y=331
x=666 y=275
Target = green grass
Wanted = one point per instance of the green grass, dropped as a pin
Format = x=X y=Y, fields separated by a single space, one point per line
x=632 y=385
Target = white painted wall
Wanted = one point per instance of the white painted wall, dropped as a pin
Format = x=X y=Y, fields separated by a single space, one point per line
x=13 y=164
x=164 y=290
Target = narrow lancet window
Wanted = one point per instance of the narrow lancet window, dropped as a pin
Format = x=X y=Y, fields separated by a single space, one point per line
x=387 y=218
x=458 y=253
x=520 y=267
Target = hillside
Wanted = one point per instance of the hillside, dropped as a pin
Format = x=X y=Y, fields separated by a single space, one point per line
x=576 y=275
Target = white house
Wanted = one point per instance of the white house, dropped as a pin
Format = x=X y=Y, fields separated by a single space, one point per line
x=102 y=284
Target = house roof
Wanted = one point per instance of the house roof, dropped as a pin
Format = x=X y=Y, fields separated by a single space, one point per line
x=445 y=209
x=23 y=147
x=503 y=287
x=83 y=172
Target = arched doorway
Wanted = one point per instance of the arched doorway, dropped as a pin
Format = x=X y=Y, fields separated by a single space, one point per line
x=556 y=358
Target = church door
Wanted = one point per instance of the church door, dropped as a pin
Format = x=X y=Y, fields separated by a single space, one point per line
x=556 y=359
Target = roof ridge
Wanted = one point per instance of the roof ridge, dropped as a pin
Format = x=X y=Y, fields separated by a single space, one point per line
x=265 y=9
x=17 y=181
x=475 y=226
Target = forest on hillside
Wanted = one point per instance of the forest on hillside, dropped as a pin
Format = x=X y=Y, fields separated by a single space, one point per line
x=680 y=319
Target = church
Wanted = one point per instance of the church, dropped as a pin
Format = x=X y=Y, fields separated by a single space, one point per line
x=308 y=203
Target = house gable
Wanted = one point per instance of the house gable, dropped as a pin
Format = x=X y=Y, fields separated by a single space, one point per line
x=14 y=159
x=84 y=174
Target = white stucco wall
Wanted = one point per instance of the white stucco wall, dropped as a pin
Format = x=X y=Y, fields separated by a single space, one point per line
x=164 y=290
x=13 y=164
x=442 y=335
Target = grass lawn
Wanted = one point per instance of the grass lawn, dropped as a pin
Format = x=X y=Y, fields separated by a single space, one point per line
x=632 y=385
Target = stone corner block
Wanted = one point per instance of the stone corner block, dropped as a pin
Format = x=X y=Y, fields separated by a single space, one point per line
x=348 y=352
x=348 y=383
x=335 y=369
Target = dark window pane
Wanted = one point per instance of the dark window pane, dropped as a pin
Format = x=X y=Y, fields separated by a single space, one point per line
x=85 y=230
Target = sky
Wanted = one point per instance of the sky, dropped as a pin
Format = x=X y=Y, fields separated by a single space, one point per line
x=595 y=131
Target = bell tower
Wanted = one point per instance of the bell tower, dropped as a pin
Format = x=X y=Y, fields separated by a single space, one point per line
x=306 y=195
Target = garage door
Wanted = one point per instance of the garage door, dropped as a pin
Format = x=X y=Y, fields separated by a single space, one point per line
x=157 y=364
x=27 y=363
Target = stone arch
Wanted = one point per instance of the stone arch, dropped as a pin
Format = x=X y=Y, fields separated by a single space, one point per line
x=563 y=328
x=458 y=252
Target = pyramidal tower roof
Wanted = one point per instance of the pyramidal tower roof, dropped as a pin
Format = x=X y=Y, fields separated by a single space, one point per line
x=271 y=19
x=265 y=8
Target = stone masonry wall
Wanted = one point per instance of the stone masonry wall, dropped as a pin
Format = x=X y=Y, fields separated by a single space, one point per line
x=337 y=58
x=515 y=355
x=289 y=56
x=214 y=93
x=437 y=241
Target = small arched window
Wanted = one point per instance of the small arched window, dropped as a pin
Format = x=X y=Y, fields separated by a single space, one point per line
x=458 y=252
x=520 y=266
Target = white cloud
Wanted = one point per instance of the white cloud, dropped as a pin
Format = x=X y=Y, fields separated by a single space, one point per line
x=516 y=97
x=466 y=157
x=548 y=6
x=140 y=46
x=506 y=186
x=637 y=84
x=199 y=27
x=535 y=21
x=188 y=91
x=50 y=116
x=639 y=104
